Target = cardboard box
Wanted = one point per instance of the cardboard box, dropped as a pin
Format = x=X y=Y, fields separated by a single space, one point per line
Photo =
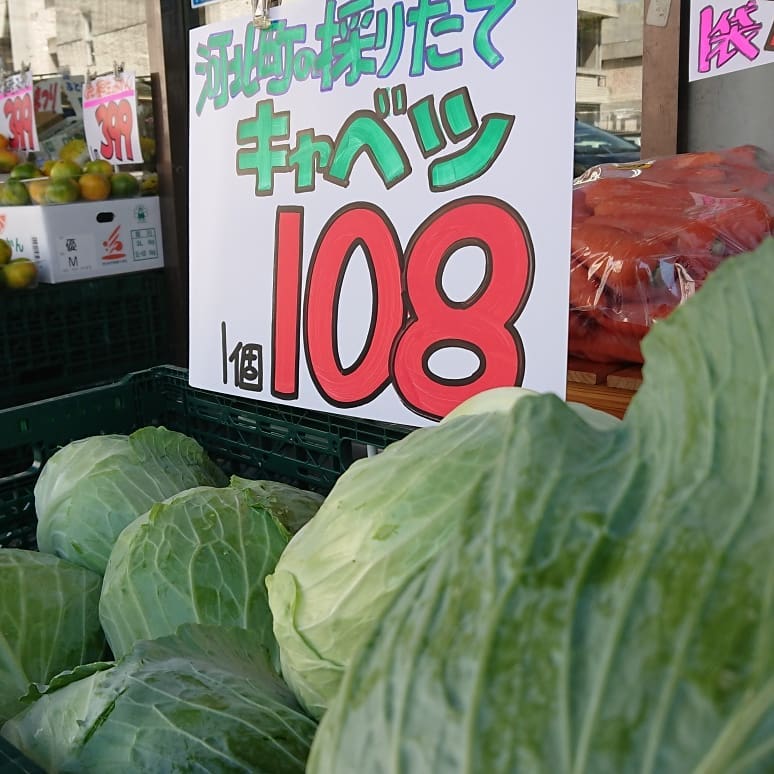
x=86 y=239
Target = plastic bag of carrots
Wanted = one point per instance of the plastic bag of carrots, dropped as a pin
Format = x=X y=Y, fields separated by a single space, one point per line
x=645 y=236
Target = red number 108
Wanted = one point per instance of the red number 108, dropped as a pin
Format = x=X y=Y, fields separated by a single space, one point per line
x=412 y=316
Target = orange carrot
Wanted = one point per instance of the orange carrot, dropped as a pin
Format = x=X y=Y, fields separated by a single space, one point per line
x=642 y=224
x=585 y=291
x=619 y=188
x=588 y=340
x=698 y=237
x=580 y=208
x=613 y=255
x=742 y=226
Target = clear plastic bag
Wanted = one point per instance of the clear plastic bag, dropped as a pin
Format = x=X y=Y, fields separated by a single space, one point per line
x=645 y=237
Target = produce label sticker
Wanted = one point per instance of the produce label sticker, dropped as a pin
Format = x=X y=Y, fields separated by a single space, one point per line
x=380 y=203
x=48 y=96
x=17 y=112
x=145 y=244
x=730 y=35
x=76 y=252
x=110 y=119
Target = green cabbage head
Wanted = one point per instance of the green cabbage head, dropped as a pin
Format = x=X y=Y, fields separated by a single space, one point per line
x=204 y=700
x=386 y=517
x=291 y=506
x=48 y=621
x=91 y=489
x=610 y=609
x=201 y=556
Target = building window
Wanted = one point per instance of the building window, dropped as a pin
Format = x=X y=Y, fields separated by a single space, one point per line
x=610 y=47
x=589 y=37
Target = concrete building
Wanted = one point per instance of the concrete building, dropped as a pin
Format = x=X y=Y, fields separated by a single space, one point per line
x=79 y=34
x=5 y=35
x=609 y=75
x=621 y=52
x=31 y=24
x=591 y=90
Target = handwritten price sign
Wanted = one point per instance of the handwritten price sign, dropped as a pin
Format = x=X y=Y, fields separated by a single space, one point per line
x=110 y=119
x=17 y=112
x=729 y=35
x=372 y=233
x=48 y=96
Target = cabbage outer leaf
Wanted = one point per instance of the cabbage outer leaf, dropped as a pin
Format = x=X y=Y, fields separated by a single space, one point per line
x=610 y=610
x=48 y=621
x=205 y=699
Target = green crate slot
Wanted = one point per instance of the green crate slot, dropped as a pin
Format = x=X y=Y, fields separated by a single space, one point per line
x=58 y=338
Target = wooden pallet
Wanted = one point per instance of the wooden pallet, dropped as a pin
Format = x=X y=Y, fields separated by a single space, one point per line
x=604 y=386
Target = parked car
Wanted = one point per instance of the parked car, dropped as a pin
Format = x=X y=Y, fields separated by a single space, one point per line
x=595 y=146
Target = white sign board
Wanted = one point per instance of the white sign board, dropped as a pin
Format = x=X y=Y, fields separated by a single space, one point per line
x=730 y=35
x=110 y=119
x=380 y=203
x=17 y=112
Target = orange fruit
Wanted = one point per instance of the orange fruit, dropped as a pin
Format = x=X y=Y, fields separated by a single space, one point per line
x=94 y=187
x=4 y=141
x=123 y=185
x=8 y=159
x=48 y=166
x=14 y=193
x=5 y=252
x=64 y=169
x=62 y=191
x=25 y=171
x=99 y=166
x=20 y=273
x=148 y=147
x=149 y=184
x=37 y=190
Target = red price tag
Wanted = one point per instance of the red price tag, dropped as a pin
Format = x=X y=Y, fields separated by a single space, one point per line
x=110 y=119
x=116 y=121
x=47 y=97
x=21 y=121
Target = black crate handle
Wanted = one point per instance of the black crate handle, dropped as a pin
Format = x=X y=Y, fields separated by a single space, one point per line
x=33 y=469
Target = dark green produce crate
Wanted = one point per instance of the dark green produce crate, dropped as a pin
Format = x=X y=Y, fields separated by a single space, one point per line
x=256 y=440
x=247 y=438
x=59 y=338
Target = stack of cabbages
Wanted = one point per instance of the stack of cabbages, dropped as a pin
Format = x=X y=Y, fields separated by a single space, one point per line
x=139 y=637
x=529 y=586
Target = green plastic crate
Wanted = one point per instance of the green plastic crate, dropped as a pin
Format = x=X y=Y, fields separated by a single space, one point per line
x=259 y=440
x=256 y=440
x=59 y=338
